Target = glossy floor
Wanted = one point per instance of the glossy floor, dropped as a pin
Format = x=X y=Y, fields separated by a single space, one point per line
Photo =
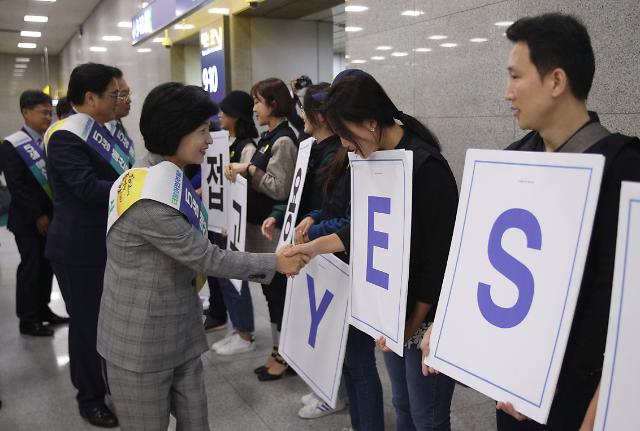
x=36 y=392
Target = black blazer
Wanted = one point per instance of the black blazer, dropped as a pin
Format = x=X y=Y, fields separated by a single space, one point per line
x=28 y=199
x=80 y=180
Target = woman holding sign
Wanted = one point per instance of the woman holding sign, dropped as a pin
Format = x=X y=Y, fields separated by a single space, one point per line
x=269 y=175
x=364 y=117
x=150 y=327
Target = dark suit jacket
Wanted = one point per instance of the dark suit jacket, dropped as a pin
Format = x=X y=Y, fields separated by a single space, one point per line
x=28 y=199
x=80 y=180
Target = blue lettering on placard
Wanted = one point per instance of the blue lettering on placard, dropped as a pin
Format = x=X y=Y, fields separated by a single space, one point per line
x=378 y=239
x=511 y=268
x=316 y=313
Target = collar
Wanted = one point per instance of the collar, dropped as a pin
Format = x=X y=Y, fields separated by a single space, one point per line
x=271 y=133
x=37 y=137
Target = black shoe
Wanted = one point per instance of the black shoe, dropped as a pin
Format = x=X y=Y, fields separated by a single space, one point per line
x=53 y=319
x=99 y=416
x=211 y=324
x=262 y=368
x=267 y=376
x=36 y=329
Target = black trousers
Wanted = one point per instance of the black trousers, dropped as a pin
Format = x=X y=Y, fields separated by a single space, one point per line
x=34 y=276
x=567 y=410
x=217 y=308
x=276 y=294
x=81 y=288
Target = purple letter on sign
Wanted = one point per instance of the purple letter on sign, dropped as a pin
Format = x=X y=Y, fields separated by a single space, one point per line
x=316 y=314
x=511 y=268
x=378 y=239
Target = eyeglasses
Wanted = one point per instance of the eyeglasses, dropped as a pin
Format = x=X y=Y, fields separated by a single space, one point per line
x=125 y=97
x=45 y=112
x=113 y=95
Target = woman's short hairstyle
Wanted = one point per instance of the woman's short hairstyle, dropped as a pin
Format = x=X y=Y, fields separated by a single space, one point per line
x=93 y=77
x=276 y=94
x=170 y=112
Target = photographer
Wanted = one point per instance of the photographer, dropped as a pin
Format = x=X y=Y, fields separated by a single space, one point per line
x=298 y=88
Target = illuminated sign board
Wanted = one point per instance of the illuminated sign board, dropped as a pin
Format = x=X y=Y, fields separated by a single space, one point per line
x=158 y=15
x=213 y=61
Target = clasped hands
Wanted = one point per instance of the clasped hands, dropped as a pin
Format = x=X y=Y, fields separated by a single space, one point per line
x=301 y=253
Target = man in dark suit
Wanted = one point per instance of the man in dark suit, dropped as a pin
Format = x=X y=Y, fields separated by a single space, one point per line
x=30 y=212
x=83 y=163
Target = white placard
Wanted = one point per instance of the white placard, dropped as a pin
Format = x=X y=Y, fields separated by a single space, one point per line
x=620 y=382
x=215 y=196
x=381 y=188
x=315 y=324
x=293 y=205
x=514 y=271
x=237 y=231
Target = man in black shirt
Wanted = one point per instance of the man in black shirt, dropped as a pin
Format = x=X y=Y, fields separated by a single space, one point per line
x=551 y=68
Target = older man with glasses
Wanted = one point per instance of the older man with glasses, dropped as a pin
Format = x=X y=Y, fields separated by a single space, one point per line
x=23 y=161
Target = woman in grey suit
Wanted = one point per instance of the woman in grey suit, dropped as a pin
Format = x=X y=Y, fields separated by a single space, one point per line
x=150 y=326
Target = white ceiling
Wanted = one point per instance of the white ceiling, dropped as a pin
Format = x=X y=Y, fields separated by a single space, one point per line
x=65 y=17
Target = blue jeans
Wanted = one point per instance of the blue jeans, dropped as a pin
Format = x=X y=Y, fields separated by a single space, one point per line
x=239 y=305
x=362 y=382
x=421 y=403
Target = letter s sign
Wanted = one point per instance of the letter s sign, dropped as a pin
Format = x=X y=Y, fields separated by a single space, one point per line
x=511 y=268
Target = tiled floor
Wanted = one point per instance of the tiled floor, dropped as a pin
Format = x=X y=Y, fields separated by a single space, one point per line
x=37 y=395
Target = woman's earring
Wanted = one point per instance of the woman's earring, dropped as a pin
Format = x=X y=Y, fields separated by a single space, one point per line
x=373 y=129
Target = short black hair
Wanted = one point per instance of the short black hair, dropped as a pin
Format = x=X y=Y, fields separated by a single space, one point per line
x=93 y=77
x=63 y=108
x=29 y=99
x=170 y=112
x=558 y=40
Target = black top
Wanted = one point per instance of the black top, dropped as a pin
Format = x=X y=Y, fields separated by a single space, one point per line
x=435 y=202
x=81 y=181
x=28 y=200
x=313 y=192
x=587 y=339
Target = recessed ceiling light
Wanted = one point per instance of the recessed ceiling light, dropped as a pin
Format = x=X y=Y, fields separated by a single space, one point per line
x=478 y=40
x=144 y=50
x=219 y=10
x=112 y=38
x=448 y=45
x=347 y=56
x=352 y=29
x=35 y=18
x=354 y=8
x=377 y=57
x=49 y=1
x=438 y=37
x=399 y=54
x=124 y=24
x=27 y=45
x=358 y=61
x=97 y=48
x=183 y=26
x=503 y=23
x=22 y=59
x=412 y=13
x=26 y=33
x=158 y=39
x=144 y=4
x=384 y=47
x=423 y=50
x=20 y=66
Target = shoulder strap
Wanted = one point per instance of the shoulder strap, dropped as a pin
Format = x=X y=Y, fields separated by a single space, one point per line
x=585 y=138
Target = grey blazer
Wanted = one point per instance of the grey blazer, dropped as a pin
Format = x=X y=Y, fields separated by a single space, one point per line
x=150 y=314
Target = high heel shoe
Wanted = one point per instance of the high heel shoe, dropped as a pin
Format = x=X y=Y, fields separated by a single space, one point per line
x=263 y=368
x=267 y=376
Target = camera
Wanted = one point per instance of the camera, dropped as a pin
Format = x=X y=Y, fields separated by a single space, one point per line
x=254 y=3
x=166 y=40
x=302 y=82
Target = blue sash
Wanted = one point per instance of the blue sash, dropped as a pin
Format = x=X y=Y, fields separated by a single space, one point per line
x=126 y=142
x=96 y=136
x=33 y=157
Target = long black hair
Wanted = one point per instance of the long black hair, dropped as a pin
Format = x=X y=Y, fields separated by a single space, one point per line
x=355 y=96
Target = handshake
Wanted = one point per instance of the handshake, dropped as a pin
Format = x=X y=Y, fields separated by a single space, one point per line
x=291 y=259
